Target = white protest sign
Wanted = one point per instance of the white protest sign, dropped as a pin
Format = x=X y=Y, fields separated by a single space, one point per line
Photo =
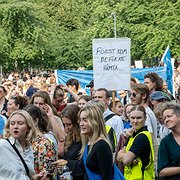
x=111 y=63
x=139 y=64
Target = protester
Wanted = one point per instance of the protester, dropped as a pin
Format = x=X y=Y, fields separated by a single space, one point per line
x=3 y=100
x=169 y=149
x=83 y=100
x=15 y=103
x=44 y=148
x=163 y=130
x=111 y=118
x=123 y=96
x=73 y=84
x=96 y=154
x=31 y=89
x=126 y=113
x=42 y=100
x=157 y=97
x=138 y=155
x=110 y=131
x=118 y=107
x=123 y=137
x=72 y=146
x=91 y=86
x=55 y=90
x=19 y=131
x=140 y=96
x=18 y=91
x=58 y=98
x=153 y=81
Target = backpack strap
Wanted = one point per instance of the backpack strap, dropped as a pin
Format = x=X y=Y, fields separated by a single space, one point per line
x=109 y=117
x=18 y=153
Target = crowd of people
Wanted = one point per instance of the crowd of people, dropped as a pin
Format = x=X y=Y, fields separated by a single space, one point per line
x=46 y=128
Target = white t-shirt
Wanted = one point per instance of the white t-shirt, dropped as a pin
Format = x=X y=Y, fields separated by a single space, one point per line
x=115 y=122
x=151 y=121
x=11 y=166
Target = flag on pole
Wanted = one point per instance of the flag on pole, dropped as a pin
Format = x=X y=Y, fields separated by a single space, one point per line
x=166 y=59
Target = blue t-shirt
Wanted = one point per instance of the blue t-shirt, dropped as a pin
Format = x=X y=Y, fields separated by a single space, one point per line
x=2 y=124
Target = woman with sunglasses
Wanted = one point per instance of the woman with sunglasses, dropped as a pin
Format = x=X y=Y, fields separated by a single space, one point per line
x=138 y=154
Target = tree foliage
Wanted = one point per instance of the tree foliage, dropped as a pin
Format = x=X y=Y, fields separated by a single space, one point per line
x=58 y=34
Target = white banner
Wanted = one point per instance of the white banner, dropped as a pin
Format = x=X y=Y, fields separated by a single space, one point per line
x=139 y=64
x=111 y=63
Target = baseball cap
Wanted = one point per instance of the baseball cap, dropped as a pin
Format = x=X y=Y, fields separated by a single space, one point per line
x=158 y=95
x=91 y=84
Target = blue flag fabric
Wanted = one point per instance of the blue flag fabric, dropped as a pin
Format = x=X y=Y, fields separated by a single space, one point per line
x=85 y=76
x=166 y=59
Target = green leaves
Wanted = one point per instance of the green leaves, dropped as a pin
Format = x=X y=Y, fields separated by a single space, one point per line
x=58 y=34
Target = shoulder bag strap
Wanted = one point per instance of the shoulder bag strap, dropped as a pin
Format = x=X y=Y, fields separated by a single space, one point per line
x=18 y=153
x=109 y=117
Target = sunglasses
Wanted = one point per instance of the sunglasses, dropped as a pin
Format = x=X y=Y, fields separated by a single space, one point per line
x=133 y=94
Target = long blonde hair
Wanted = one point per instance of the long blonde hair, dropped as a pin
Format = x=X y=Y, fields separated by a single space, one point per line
x=29 y=121
x=97 y=125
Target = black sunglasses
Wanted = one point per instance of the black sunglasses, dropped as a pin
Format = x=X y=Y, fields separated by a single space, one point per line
x=132 y=94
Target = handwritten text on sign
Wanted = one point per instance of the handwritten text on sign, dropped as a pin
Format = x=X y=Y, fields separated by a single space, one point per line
x=111 y=62
x=113 y=58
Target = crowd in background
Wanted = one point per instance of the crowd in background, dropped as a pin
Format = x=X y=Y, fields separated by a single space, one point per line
x=60 y=126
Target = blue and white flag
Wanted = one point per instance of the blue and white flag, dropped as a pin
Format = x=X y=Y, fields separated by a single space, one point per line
x=166 y=59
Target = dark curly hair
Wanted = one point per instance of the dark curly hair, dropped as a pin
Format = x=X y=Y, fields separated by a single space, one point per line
x=155 y=78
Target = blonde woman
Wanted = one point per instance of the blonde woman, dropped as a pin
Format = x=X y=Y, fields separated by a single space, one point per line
x=96 y=153
x=20 y=131
x=96 y=148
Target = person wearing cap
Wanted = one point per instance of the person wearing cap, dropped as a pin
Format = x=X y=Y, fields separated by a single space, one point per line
x=91 y=86
x=157 y=97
